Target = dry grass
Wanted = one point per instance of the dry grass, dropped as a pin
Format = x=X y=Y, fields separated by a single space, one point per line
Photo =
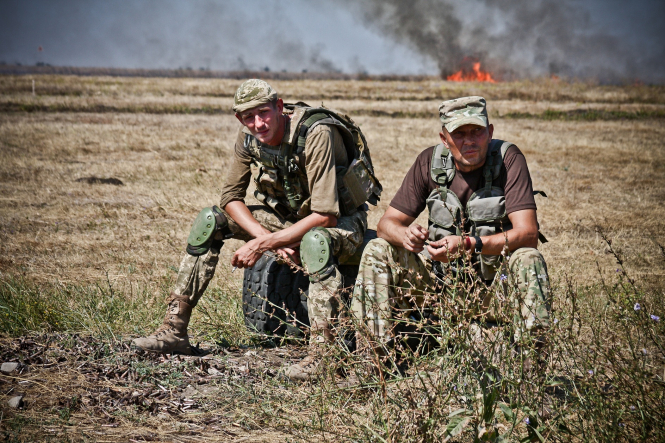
x=432 y=88
x=57 y=231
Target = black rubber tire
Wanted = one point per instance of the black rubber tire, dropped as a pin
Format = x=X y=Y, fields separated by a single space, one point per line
x=274 y=299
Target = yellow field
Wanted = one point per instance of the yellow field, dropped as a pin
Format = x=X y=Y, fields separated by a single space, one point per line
x=597 y=151
x=604 y=173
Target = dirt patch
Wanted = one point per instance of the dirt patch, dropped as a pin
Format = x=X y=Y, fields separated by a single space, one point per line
x=101 y=181
x=76 y=387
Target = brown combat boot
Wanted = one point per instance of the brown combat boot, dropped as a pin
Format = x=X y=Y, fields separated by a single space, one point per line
x=171 y=337
x=309 y=367
x=306 y=369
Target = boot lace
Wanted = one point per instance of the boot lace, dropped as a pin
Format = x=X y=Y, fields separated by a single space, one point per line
x=163 y=330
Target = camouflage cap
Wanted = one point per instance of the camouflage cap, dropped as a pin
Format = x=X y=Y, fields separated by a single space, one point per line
x=252 y=93
x=463 y=111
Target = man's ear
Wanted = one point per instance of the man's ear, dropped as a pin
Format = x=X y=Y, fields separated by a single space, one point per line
x=490 y=129
x=240 y=119
x=280 y=105
x=443 y=136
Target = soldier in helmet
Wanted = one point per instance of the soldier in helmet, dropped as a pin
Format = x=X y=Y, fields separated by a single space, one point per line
x=480 y=200
x=299 y=156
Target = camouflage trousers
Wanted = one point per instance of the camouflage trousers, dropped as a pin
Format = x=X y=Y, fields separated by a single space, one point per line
x=394 y=282
x=195 y=273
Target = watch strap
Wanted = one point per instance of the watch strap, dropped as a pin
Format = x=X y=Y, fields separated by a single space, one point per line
x=479 y=245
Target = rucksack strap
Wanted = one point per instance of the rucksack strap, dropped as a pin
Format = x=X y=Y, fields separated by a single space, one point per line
x=541 y=237
x=355 y=144
x=304 y=127
x=325 y=116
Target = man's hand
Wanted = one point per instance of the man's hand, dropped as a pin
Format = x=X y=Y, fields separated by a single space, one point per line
x=248 y=254
x=443 y=250
x=290 y=253
x=282 y=242
x=414 y=238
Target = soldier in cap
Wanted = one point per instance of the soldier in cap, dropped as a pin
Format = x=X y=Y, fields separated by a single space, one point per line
x=481 y=202
x=298 y=156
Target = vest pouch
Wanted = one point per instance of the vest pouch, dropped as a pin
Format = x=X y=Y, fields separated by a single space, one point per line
x=488 y=264
x=358 y=184
x=486 y=206
x=346 y=204
x=272 y=202
x=443 y=216
x=268 y=182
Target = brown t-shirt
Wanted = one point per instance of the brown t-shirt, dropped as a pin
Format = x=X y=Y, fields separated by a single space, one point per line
x=418 y=184
x=324 y=149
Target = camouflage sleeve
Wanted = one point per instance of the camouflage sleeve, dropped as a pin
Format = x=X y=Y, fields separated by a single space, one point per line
x=324 y=149
x=240 y=173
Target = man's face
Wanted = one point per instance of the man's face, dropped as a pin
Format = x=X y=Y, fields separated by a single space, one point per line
x=468 y=144
x=265 y=122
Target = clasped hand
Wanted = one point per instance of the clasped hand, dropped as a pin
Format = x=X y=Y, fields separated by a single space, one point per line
x=415 y=240
x=247 y=255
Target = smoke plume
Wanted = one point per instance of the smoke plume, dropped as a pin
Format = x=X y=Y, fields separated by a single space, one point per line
x=609 y=40
x=522 y=38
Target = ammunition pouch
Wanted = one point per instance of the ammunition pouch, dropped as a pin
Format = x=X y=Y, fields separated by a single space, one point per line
x=268 y=182
x=209 y=230
x=279 y=208
x=486 y=210
x=356 y=186
x=316 y=254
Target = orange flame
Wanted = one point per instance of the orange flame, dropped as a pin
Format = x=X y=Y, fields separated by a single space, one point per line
x=475 y=75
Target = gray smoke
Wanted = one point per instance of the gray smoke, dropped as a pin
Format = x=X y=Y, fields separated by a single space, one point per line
x=610 y=40
x=162 y=34
x=528 y=38
x=428 y=25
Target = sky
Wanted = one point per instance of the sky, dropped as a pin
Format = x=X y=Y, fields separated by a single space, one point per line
x=612 y=40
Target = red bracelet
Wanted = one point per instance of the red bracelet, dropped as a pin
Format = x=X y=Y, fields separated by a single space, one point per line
x=467 y=243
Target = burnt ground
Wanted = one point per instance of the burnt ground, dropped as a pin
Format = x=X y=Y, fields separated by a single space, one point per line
x=77 y=388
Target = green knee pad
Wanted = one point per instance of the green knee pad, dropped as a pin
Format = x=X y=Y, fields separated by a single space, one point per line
x=316 y=253
x=209 y=230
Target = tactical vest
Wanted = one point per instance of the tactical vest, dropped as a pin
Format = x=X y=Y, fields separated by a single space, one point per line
x=281 y=182
x=485 y=212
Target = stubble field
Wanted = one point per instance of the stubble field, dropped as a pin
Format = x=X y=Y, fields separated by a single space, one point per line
x=97 y=259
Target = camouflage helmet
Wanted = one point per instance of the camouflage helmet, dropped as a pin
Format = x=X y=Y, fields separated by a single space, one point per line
x=252 y=93
x=463 y=111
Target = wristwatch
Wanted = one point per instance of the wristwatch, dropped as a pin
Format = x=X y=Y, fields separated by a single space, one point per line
x=479 y=245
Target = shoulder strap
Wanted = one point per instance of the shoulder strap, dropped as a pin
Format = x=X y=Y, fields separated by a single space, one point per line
x=495 y=155
x=311 y=117
x=442 y=169
x=305 y=118
x=305 y=126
